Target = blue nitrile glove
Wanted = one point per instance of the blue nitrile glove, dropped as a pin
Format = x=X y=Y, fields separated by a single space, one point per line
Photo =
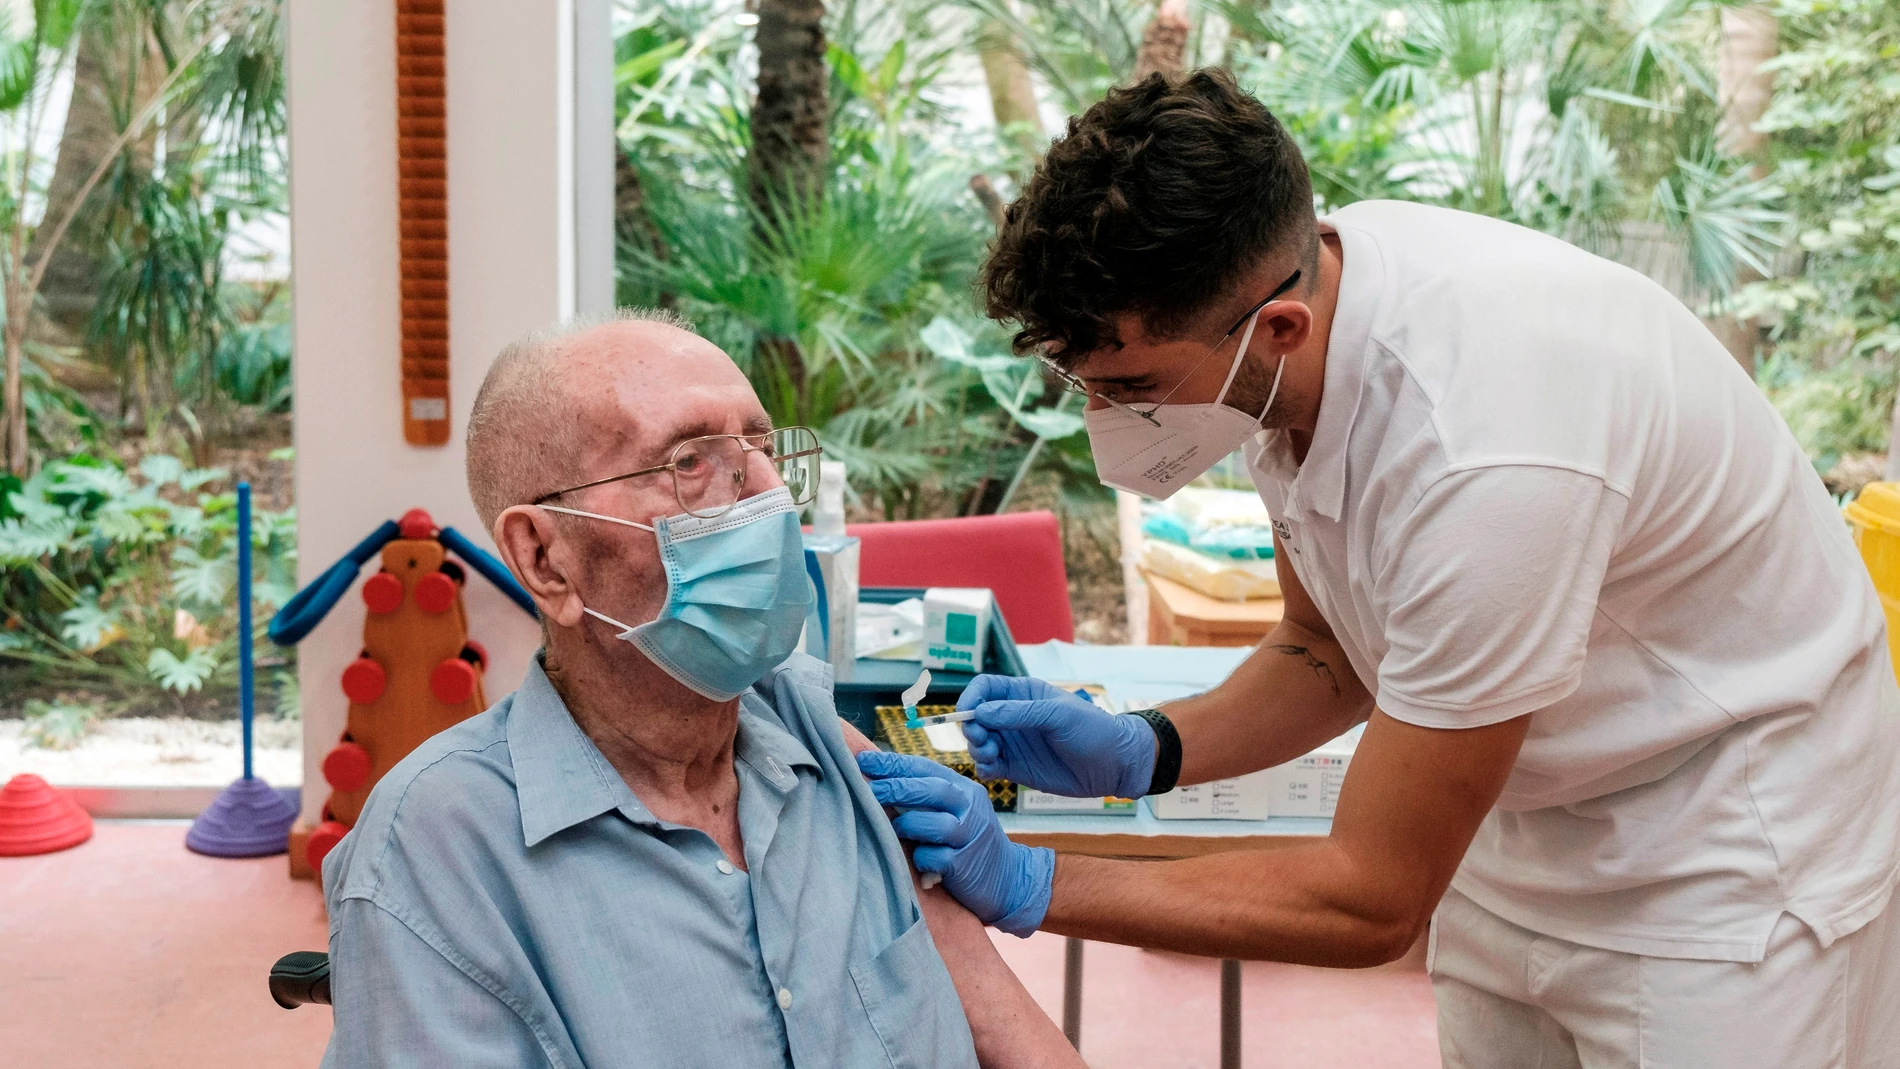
x=950 y=816
x=1043 y=736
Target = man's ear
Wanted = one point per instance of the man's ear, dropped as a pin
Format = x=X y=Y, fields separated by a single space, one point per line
x=1284 y=325
x=526 y=538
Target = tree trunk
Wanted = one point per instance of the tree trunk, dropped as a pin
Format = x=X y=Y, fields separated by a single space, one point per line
x=1164 y=43
x=1750 y=38
x=15 y=398
x=115 y=71
x=632 y=225
x=790 y=146
x=1012 y=94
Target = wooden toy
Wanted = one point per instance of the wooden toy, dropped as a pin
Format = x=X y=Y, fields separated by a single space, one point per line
x=418 y=673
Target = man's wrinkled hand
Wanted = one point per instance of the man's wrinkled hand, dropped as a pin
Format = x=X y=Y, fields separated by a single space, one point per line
x=950 y=817
x=1045 y=737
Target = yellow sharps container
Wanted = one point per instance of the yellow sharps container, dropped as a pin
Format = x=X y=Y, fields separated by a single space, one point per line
x=1875 y=514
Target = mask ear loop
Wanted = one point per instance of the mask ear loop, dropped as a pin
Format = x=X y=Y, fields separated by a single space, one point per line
x=601 y=616
x=1273 y=392
x=598 y=516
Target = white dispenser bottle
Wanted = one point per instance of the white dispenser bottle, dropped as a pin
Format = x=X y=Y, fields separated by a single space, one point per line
x=836 y=555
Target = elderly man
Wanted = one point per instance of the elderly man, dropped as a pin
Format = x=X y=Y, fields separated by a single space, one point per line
x=658 y=851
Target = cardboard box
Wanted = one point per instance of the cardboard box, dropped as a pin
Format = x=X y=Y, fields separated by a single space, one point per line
x=1241 y=798
x=1309 y=786
x=1030 y=800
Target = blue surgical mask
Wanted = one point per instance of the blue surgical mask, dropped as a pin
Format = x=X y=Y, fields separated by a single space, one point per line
x=736 y=594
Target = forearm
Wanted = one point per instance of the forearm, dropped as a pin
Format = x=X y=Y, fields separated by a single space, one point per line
x=1412 y=801
x=1010 y=1029
x=1303 y=904
x=1294 y=692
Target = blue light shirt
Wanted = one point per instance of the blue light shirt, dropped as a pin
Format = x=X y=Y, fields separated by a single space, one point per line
x=505 y=900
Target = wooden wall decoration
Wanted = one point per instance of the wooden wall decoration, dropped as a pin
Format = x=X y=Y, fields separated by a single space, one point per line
x=422 y=160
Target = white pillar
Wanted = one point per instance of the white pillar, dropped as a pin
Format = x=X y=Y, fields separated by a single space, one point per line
x=515 y=208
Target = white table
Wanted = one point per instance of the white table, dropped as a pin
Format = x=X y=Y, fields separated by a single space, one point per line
x=1143 y=674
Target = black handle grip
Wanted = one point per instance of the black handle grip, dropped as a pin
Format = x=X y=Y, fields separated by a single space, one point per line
x=301 y=977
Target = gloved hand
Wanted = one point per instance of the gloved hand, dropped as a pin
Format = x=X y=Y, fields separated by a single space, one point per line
x=1043 y=736
x=1004 y=884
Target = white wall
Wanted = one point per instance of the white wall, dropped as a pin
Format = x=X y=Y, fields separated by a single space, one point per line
x=512 y=249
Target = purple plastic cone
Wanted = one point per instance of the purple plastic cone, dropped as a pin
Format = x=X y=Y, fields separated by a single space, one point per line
x=249 y=818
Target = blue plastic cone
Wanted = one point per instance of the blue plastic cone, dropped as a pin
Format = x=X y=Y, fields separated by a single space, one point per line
x=250 y=818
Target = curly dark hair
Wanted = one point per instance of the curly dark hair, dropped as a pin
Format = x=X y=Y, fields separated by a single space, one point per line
x=1154 y=203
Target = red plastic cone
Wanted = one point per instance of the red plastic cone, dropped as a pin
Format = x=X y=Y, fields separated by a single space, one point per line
x=36 y=819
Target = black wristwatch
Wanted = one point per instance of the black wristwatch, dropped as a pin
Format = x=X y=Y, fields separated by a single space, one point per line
x=1167 y=750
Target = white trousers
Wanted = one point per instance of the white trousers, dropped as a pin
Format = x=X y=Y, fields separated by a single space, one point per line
x=1509 y=998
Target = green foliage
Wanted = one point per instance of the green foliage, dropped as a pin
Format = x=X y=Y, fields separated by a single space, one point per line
x=57 y=725
x=1575 y=118
x=127 y=579
x=1833 y=411
x=210 y=74
x=826 y=305
x=1835 y=121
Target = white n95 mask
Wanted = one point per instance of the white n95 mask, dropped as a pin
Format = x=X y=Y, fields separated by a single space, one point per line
x=736 y=594
x=1156 y=460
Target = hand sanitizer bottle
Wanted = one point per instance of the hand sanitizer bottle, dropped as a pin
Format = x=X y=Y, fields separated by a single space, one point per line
x=836 y=556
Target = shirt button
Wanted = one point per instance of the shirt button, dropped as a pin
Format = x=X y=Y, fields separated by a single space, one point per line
x=725 y=866
x=784 y=998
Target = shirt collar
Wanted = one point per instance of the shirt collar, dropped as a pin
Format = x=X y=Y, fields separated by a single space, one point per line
x=1322 y=475
x=767 y=748
x=562 y=779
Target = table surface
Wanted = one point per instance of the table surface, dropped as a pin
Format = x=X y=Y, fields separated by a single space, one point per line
x=1138 y=675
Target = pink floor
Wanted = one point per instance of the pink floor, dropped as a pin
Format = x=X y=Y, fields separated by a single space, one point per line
x=131 y=952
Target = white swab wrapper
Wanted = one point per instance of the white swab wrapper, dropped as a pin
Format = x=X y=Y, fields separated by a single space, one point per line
x=914 y=693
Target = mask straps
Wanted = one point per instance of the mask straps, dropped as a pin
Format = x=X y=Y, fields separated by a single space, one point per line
x=601 y=616
x=604 y=618
x=598 y=516
x=1245 y=339
x=1240 y=354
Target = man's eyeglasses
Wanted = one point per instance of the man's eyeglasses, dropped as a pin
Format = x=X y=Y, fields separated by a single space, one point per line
x=709 y=472
x=1075 y=385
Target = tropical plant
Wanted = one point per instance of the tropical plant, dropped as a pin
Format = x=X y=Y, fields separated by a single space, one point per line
x=1576 y=117
x=825 y=301
x=198 y=89
x=127 y=579
x=1834 y=129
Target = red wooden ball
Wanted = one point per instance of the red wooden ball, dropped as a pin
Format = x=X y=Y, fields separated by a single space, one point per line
x=346 y=766
x=382 y=592
x=364 y=680
x=416 y=524
x=435 y=592
x=323 y=839
x=453 y=681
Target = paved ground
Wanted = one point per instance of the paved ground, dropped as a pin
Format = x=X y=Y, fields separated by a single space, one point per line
x=157 y=752
x=130 y=952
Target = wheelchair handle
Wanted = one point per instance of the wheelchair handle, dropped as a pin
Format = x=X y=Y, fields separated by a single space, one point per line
x=301 y=977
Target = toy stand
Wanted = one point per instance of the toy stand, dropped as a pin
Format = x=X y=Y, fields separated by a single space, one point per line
x=36 y=819
x=249 y=818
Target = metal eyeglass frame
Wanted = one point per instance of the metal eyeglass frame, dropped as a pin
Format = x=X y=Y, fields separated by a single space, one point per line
x=1075 y=385
x=748 y=443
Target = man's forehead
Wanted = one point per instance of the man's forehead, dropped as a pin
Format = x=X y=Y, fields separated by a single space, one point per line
x=645 y=393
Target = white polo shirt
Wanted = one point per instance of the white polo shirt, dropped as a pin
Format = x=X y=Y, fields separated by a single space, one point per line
x=1539 y=485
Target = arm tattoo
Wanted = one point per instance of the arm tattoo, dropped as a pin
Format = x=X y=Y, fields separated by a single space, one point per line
x=1312 y=662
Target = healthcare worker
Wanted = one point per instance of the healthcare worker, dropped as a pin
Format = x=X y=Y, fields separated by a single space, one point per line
x=1632 y=728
